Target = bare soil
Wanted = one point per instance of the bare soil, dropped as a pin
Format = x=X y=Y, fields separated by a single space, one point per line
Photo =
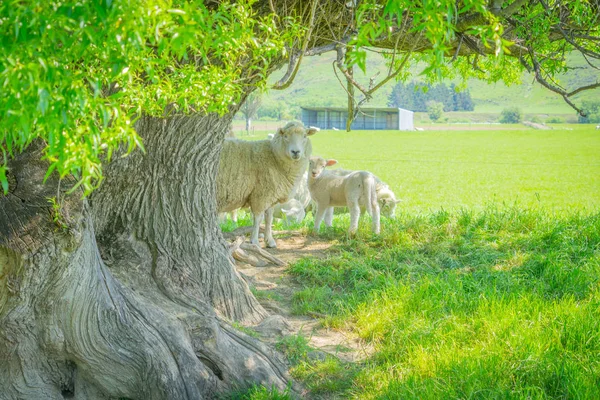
x=280 y=287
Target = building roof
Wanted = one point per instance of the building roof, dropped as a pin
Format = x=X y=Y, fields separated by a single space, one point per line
x=365 y=109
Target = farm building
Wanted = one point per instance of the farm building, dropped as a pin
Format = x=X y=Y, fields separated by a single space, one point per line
x=367 y=119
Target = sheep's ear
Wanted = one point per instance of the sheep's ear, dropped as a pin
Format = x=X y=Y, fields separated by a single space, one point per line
x=312 y=130
x=270 y=136
x=398 y=201
x=331 y=162
x=280 y=131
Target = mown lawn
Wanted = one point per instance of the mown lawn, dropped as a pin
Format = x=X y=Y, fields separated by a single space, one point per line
x=480 y=288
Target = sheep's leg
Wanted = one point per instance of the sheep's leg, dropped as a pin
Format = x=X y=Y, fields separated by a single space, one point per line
x=258 y=218
x=319 y=216
x=329 y=217
x=270 y=242
x=234 y=216
x=375 y=217
x=354 y=209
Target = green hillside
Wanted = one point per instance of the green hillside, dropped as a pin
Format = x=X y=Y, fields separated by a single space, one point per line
x=317 y=85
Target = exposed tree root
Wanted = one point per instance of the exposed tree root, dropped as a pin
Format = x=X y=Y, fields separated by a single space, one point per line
x=252 y=254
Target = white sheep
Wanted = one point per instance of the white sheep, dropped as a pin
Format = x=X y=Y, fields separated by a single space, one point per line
x=295 y=208
x=292 y=210
x=385 y=196
x=262 y=173
x=598 y=127
x=355 y=190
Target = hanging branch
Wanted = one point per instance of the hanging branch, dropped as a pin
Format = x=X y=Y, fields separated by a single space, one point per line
x=537 y=70
x=296 y=57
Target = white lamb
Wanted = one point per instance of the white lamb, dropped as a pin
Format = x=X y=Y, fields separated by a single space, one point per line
x=355 y=190
x=262 y=173
x=385 y=196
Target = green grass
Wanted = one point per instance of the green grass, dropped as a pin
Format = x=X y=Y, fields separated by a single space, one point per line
x=486 y=285
x=494 y=304
x=557 y=170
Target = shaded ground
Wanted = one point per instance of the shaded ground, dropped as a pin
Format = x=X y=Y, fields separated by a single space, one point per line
x=276 y=289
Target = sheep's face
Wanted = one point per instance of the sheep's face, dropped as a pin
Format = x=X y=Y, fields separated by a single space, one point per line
x=294 y=137
x=316 y=166
x=387 y=206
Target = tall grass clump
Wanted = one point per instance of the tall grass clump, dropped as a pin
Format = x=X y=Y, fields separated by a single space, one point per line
x=502 y=303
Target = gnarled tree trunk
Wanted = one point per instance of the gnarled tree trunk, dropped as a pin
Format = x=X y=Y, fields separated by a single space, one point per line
x=127 y=295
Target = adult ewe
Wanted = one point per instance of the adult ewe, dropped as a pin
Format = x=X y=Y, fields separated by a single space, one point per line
x=262 y=173
x=355 y=190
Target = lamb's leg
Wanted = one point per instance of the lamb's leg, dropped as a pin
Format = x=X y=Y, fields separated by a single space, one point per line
x=329 y=217
x=375 y=217
x=234 y=215
x=270 y=242
x=319 y=216
x=354 y=209
x=258 y=218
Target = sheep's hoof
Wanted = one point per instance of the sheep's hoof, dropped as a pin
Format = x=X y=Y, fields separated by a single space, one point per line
x=272 y=244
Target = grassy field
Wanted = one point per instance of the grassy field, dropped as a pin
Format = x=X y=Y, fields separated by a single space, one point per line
x=485 y=286
x=449 y=167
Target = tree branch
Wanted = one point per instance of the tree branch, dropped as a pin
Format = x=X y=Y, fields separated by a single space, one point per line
x=295 y=58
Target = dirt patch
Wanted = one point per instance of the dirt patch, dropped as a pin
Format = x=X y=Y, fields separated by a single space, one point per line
x=277 y=289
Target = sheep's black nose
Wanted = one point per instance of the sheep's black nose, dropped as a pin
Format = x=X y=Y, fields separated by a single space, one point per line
x=295 y=153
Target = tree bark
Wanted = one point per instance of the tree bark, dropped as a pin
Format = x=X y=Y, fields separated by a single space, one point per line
x=116 y=297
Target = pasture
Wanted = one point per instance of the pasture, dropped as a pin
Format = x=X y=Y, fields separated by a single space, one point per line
x=449 y=167
x=557 y=170
x=486 y=285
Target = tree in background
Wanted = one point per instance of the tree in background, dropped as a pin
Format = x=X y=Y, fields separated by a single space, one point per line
x=592 y=110
x=435 y=110
x=130 y=291
x=461 y=100
x=250 y=109
x=414 y=96
x=511 y=115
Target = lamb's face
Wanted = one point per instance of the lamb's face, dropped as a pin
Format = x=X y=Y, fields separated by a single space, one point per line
x=387 y=204
x=316 y=166
x=388 y=207
x=294 y=138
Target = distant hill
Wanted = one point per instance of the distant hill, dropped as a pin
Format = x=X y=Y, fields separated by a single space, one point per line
x=317 y=85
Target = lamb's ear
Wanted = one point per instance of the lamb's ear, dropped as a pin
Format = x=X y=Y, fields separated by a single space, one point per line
x=280 y=131
x=331 y=162
x=312 y=130
x=398 y=201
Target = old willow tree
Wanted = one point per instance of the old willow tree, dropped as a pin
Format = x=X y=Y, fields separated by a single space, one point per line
x=115 y=281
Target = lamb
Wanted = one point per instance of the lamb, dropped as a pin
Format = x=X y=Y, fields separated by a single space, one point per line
x=385 y=196
x=354 y=190
x=262 y=173
x=295 y=208
x=598 y=127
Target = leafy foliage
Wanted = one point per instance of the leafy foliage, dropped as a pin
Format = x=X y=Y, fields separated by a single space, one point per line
x=436 y=22
x=77 y=74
